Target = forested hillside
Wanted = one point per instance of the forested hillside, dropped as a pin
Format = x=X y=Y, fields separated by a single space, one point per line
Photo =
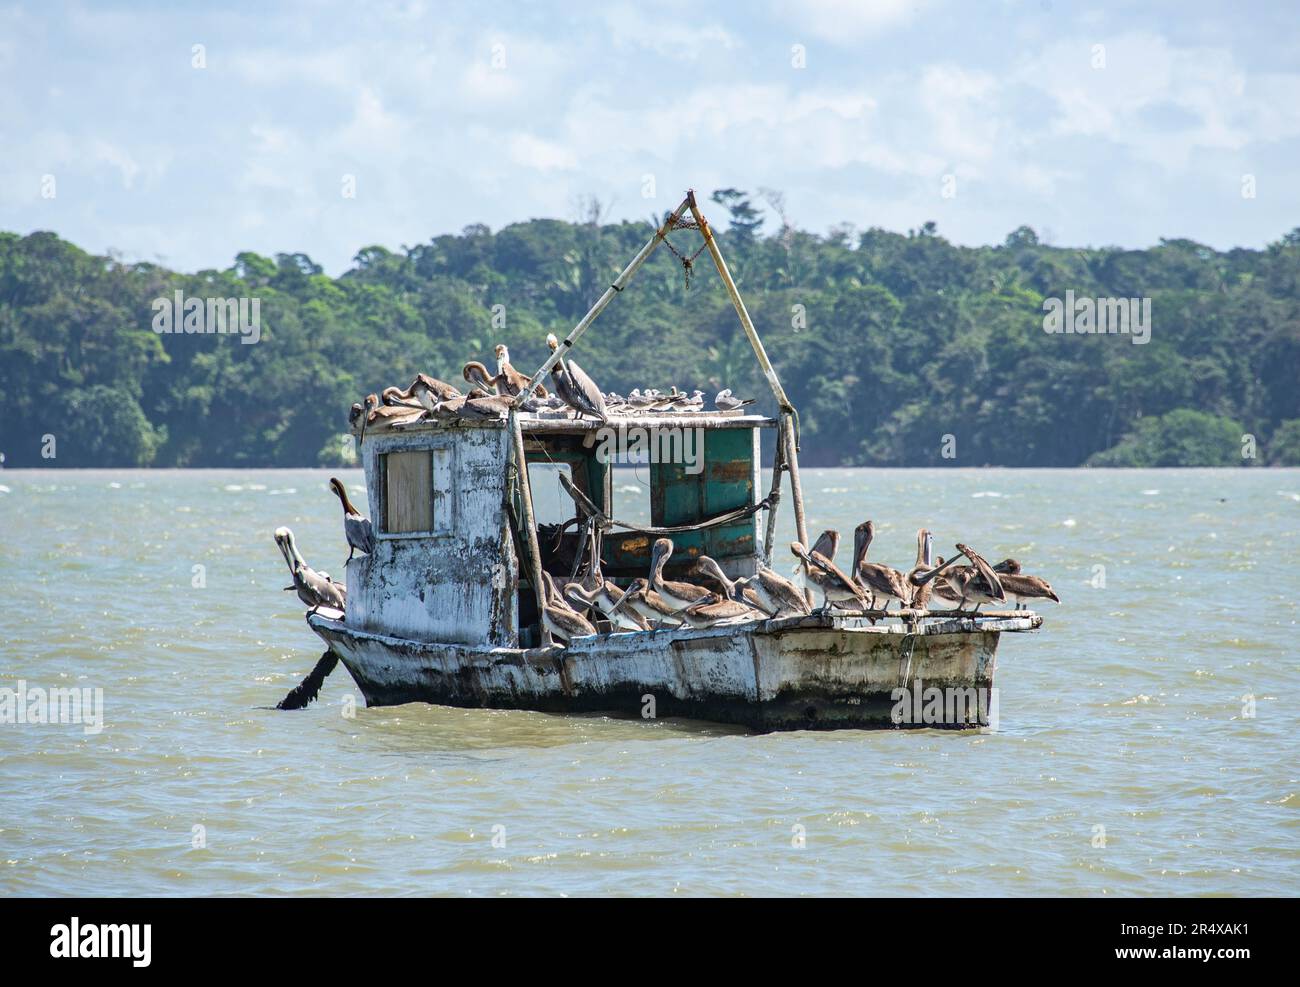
x=886 y=343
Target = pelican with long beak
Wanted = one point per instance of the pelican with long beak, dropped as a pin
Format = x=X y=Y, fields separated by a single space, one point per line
x=575 y=388
x=1022 y=588
x=477 y=375
x=623 y=618
x=315 y=589
x=979 y=583
x=922 y=590
x=640 y=598
x=510 y=381
x=356 y=526
x=381 y=415
x=674 y=592
x=431 y=392
x=560 y=619
x=738 y=590
x=837 y=587
x=881 y=581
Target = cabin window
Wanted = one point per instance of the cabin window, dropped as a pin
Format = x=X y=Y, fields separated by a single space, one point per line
x=551 y=503
x=408 y=492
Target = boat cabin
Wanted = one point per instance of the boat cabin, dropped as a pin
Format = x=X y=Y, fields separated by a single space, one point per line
x=453 y=557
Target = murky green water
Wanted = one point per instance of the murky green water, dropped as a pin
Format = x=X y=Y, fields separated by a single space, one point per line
x=1126 y=711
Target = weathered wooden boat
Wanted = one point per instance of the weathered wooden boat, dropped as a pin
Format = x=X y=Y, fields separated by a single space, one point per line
x=446 y=608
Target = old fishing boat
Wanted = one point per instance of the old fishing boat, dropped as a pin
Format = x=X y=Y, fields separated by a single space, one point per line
x=448 y=606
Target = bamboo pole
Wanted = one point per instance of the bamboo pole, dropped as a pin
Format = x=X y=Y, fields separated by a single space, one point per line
x=796 y=487
x=530 y=525
x=745 y=321
x=774 y=497
x=619 y=283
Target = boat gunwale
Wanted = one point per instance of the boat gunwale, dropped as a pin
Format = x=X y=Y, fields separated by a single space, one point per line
x=589 y=645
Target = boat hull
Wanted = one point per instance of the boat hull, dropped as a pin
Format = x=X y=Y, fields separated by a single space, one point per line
x=819 y=672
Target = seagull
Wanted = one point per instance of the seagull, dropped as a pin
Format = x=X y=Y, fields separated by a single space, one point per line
x=356 y=526
x=725 y=402
x=575 y=388
x=315 y=589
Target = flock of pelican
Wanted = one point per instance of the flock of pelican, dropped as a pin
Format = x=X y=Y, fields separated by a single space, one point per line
x=713 y=599
x=490 y=396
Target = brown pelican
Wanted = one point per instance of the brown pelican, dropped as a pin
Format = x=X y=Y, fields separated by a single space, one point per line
x=941 y=584
x=574 y=387
x=431 y=392
x=739 y=590
x=827 y=544
x=921 y=591
x=510 y=381
x=879 y=580
x=837 y=587
x=649 y=604
x=477 y=375
x=558 y=617
x=1007 y=566
x=674 y=592
x=712 y=613
x=378 y=415
x=397 y=396
x=356 y=526
x=979 y=582
x=623 y=618
x=315 y=589
x=1024 y=588
x=725 y=402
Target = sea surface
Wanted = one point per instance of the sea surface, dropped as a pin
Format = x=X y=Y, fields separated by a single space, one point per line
x=1146 y=742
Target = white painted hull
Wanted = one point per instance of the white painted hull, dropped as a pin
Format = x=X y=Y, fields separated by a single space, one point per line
x=818 y=672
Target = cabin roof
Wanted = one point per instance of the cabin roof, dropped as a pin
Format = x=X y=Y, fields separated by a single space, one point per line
x=532 y=424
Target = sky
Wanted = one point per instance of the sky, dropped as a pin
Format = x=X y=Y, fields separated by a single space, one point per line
x=184 y=133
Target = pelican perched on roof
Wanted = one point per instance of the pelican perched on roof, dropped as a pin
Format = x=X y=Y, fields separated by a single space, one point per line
x=574 y=387
x=880 y=581
x=315 y=589
x=477 y=375
x=837 y=587
x=510 y=381
x=431 y=392
x=356 y=526
x=378 y=415
x=393 y=396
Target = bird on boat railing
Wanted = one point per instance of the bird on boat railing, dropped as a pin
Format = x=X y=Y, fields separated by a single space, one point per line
x=598 y=600
x=357 y=528
x=979 y=582
x=675 y=592
x=837 y=587
x=1023 y=588
x=921 y=591
x=575 y=388
x=315 y=589
x=881 y=581
x=559 y=618
x=645 y=601
x=739 y=590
